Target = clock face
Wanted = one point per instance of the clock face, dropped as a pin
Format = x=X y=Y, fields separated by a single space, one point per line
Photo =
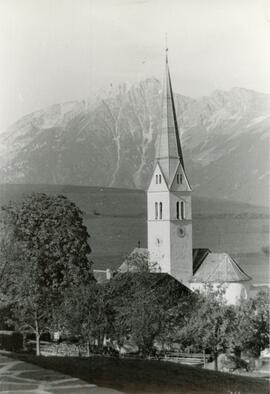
x=181 y=232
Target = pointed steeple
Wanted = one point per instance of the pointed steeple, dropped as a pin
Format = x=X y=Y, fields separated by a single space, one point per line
x=169 y=151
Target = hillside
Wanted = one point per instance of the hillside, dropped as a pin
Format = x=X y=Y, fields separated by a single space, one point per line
x=116 y=221
x=110 y=141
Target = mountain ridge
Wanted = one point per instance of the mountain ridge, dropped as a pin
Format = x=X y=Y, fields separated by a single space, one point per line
x=110 y=141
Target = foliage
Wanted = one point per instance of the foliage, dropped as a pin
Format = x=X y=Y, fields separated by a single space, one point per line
x=86 y=312
x=141 y=301
x=142 y=319
x=211 y=323
x=138 y=261
x=230 y=363
x=175 y=319
x=11 y=341
x=45 y=251
x=253 y=324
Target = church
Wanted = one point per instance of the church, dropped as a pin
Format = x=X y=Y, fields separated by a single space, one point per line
x=169 y=216
x=169 y=220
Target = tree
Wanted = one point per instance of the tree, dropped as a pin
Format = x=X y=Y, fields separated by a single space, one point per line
x=141 y=318
x=211 y=324
x=176 y=319
x=46 y=251
x=86 y=312
x=253 y=324
x=138 y=261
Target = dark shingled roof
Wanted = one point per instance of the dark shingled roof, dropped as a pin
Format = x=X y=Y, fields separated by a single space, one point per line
x=163 y=286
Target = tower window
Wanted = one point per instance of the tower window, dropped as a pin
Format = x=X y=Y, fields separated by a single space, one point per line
x=181 y=178
x=177 y=178
x=156 y=178
x=182 y=205
x=156 y=210
x=159 y=178
x=177 y=210
x=160 y=210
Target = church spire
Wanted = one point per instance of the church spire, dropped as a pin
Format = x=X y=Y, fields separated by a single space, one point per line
x=169 y=151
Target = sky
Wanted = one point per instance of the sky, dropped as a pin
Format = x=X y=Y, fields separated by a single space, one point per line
x=54 y=51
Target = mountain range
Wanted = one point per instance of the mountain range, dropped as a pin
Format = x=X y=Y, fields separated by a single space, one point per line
x=110 y=141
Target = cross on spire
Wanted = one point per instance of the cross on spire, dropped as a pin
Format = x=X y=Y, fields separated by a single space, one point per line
x=166 y=47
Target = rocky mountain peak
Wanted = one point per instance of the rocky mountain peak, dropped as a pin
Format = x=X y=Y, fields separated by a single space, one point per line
x=110 y=140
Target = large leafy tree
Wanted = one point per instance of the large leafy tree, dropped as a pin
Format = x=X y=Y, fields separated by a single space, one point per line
x=45 y=251
x=86 y=312
x=253 y=324
x=141 y=302
x=211 y=324
x=141 y=318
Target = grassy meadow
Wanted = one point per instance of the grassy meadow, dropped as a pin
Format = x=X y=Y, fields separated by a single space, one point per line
x=155 y=377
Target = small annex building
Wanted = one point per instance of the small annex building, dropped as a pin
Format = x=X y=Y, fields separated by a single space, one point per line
x=219 y=269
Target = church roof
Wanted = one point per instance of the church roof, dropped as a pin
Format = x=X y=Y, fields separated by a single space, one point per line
x=218 y=268
x=165 y=288
x=198 y=256
x=169 y=140
x=169 y=151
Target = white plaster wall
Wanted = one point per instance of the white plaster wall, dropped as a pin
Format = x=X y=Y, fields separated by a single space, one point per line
x=160 y=250
x=181 y=251
x=234 y=290
x=180 y=196
x=158 y=196
x=158 y=231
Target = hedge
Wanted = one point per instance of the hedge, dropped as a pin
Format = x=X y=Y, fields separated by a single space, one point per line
x=11 y=341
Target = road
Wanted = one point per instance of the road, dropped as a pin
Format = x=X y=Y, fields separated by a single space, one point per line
x=17 y=377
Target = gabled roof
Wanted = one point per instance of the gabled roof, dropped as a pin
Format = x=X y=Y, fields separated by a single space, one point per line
x=166 y=289
x=218 y=268
x=153 y=185
x=173 y=183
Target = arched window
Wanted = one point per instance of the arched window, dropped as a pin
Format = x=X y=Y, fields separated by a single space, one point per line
x=182 y=205
x=181 y=178
x=156 y=210
x=160 y=179
x=156 y=178
x=177 y=178
x=160 y=210
x=177 y=210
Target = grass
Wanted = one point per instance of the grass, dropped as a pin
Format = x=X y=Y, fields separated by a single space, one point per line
x=157 y=377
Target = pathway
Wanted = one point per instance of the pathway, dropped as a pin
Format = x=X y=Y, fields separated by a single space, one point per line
x=20 y=377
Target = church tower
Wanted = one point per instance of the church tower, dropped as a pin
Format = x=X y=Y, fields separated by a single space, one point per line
x=169 y=213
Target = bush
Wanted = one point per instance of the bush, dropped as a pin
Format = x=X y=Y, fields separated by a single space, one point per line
x=11 y=341
x=231 y=363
